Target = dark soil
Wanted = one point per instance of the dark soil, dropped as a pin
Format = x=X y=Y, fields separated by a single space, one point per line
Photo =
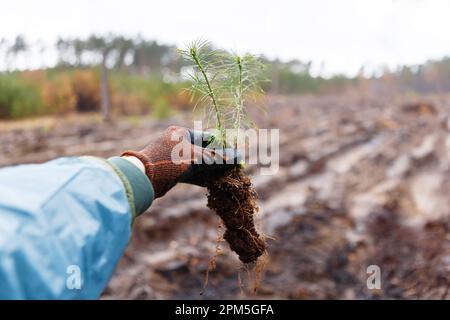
x=233 y=198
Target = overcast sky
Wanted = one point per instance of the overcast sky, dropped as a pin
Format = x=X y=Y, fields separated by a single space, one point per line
x=337 y=36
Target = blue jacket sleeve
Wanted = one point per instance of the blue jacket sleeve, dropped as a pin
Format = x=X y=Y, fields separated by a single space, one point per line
x=65 y=224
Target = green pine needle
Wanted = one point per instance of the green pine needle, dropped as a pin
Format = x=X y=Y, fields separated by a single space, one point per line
x=223 y=82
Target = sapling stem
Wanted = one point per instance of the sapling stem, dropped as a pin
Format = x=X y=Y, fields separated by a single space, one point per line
x=210 y=92
x=240 y=102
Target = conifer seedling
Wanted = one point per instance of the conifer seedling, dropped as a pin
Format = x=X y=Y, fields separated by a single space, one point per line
x=222 y=83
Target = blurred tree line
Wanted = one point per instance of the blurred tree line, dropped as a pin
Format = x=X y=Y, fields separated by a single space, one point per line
x=106 y=73
x=133 y=75
x=135 y=56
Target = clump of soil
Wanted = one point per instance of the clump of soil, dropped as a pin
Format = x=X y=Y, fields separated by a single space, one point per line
x=233 y=198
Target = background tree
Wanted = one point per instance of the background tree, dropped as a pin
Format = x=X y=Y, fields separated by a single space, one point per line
x=103 y=47
x=123 y=47
x=18 y=47
x=41 y=48
x=79 y=46
x=63 y=47
x=4 y=44
x=150 y=57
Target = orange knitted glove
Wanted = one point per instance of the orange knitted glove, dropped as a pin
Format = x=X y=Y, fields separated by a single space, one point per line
x=178 y=155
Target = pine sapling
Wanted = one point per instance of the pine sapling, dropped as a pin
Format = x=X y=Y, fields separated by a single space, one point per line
x=221 y=83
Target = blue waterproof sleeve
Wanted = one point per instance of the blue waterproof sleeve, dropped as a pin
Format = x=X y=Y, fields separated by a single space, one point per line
x=64 y=225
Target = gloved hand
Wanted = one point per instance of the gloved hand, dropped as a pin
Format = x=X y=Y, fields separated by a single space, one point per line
x=181 y=155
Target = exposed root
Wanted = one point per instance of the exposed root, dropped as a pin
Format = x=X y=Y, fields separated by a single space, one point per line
x=212 y=262
x=259 y=268
x=233 y=198
x=239 y=283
